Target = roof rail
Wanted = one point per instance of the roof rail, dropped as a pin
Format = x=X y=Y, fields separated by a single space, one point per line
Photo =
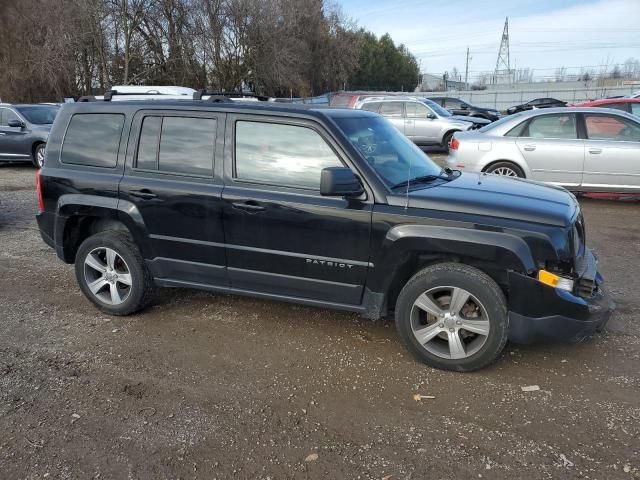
x=215 y=96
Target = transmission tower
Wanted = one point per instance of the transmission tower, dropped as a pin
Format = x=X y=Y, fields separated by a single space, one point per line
x=503 y=64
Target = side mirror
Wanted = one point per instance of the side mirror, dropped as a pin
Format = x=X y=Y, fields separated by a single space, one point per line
x=339 y=182
x=431 y=116
x=16 y=123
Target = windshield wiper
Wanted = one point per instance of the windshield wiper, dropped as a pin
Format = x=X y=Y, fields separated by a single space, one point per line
x=428 y=178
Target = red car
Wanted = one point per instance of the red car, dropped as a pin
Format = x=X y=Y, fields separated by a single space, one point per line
x=629 y=105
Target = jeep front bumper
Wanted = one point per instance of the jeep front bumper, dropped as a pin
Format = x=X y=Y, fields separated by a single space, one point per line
x=538 y=312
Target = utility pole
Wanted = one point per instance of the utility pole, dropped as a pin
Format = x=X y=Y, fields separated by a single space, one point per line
x=466 y=72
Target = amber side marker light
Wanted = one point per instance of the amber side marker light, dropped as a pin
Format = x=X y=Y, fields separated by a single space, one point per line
x=555 y=281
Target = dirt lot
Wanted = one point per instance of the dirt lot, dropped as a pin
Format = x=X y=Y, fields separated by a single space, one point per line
x=208 y=386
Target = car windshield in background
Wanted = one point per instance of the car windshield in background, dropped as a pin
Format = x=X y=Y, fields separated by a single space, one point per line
x=443 y=112
x=39 y=114
x=392 y=155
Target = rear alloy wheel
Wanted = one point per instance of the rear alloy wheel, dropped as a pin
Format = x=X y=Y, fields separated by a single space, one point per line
x=506 y=169
x=38 y=156
x=112 y=273
x=452 y=316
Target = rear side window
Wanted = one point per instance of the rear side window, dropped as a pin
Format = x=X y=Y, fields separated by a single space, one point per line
x=608 y=127
x=391 y=109
x=93 y=139
x=182 y=145
x=279 y=154
x=617 y=106
x=371 y=106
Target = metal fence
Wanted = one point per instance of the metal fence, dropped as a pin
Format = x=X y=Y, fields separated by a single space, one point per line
x=503 y=99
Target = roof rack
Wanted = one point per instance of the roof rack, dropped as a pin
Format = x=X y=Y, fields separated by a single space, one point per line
x=215 y=96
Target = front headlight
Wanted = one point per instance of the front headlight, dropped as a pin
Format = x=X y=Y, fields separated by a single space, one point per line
x=555 y=281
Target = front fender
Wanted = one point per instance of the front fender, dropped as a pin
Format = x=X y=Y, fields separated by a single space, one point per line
x=506 y=251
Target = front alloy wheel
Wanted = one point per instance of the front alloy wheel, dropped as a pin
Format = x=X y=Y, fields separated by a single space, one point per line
x=452 y=316
x=449 y=322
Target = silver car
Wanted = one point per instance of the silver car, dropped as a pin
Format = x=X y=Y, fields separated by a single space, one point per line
x=422 y=120
x=582 y=149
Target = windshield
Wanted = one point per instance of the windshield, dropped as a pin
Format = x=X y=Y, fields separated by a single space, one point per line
x=39 y=114
x=443 y=112
x=393 y=156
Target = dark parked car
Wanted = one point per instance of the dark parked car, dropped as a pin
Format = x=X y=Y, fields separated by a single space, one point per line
x=459 y=107
x=324 y=207
x=536 y=103
x=24 y=130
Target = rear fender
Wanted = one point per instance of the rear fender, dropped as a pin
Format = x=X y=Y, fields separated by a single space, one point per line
x=72 y=206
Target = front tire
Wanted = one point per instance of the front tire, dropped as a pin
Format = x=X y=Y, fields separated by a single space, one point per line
x=506 y=169
x=452 y=316
x=447 y=139
x=112 y=273
x=38 y=155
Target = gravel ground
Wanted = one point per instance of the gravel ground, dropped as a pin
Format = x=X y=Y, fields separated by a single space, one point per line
x=213 y=386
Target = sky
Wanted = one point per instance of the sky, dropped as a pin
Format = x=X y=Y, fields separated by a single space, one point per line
x=544 y=34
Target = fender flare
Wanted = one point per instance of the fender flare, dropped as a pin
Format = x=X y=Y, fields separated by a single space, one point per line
x=508 y=251
x=112 y=208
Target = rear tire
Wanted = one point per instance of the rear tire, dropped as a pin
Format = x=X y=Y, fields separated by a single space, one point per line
x=452 y=316
x=112 y=273
x=506 y=169
x=38 y=155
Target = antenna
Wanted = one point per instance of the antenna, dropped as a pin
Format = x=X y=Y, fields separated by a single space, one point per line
x=503 y=64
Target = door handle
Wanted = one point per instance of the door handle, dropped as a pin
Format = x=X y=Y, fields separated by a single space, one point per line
x=595 y=151
x=145 y=194
x=2 y=133
x=249 y=206
x=529 y=148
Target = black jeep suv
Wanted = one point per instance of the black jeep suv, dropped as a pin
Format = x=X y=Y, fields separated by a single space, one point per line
x=325 y=207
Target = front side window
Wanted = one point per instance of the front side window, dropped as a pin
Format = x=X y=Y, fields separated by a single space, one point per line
x=39 y=114
x=182 y=145
x=552 y=126
x=391 y=109
x=453 y=103
x=93 y=139
x=610 y=127
x=635 y=109
x=279 y=154
x=6 y=115
x=416 y=110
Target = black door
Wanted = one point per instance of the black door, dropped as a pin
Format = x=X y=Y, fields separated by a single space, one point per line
x=282 y=236
x=170 y=179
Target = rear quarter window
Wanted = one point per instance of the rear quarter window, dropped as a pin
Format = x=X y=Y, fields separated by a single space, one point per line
x=93 y=139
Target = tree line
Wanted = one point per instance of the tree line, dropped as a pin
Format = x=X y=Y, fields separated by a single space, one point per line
x=66 y=48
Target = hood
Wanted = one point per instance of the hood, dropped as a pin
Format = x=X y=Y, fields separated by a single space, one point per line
x=497 y=196
x=476 y=120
